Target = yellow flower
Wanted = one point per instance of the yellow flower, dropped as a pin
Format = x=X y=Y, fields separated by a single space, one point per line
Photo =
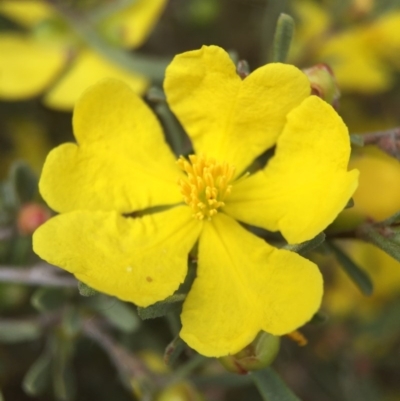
x=41 y=59
x=362 y=54
x=378 y=194
x=122 y=164
x=344 y=298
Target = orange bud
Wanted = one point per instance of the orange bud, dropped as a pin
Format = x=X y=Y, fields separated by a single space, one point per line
x=323 y=83
x=31 y=216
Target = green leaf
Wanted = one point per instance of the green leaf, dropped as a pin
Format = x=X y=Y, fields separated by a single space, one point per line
x=350 y=204
x=71 y=322
x=37 y=379
x=119 y=314
x=173 y=350
x=85 y=290
x=359 y=276
x=318 y=318
x=161 y=308
x=271 y=386
x=390 y=245
x=24 y=182
x=48 y=299
x=306 y=246
x=283 y=38
x=173 y=129
x=19 y=331
x=393 y=219
x=357 y=140
x=63 y=377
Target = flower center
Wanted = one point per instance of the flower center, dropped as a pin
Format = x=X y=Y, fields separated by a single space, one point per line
x=207 y=185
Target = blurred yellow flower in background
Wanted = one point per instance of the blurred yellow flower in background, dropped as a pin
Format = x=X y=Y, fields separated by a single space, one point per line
x=377 y=197
x=343 y=298
x=48 y=57
x=24 y=140
x=363 y=53
x=243 y=285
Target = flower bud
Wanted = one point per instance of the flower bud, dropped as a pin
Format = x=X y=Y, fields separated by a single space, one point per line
x=257 y=355
x=323 y=83
x=180 y=392
x=30 y=217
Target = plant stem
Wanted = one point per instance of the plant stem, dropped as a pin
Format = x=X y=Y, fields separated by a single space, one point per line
x=40 y=274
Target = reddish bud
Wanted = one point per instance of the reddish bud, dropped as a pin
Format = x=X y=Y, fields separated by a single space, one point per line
x=31 y=216
x=323 y=83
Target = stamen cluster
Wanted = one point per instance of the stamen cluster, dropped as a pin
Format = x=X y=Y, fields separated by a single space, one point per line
x=207 y=184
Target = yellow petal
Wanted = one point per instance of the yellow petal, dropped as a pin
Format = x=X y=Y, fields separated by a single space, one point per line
x=142 y=260
x=306 y=184
x=27 y=66
x=26 y=12
x=88 y=69
x=133 y=24
x=243 y=285
x=122 y=161
x=225 y=117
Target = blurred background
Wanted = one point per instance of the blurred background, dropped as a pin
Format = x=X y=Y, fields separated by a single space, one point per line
x=61 y=342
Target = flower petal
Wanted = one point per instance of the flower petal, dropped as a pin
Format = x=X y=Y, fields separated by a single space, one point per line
x=87 y=70
x=26 y=12
x=306 y=184
x=113 y=168
x=134 y=23
x=27 y=66
x=243 y=285
x=225 y=117
x=141 y=260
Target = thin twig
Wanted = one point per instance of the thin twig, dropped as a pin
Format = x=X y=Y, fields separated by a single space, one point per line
x=6 y=233
x=127 y=364
x=40 y=274
x=388 y=140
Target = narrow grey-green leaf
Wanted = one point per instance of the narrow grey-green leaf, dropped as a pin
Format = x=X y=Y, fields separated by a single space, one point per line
x=38 y=377
x=48 y=299
x=173 y=129
x=161 y=308
x=359 y=276
x=63 y=376
x=24 y=181
x=173 y=350
x=119 y=314
x=71 y=321
x=85 y=290
x=386 y=244
x=283 y=38
x=318 y=318
x=394 y=218
x=306 y=246
x=357 y=139
x=271 y=386
x=19 y=331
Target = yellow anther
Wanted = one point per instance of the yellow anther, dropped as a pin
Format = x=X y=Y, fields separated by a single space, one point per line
x=207 y=185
